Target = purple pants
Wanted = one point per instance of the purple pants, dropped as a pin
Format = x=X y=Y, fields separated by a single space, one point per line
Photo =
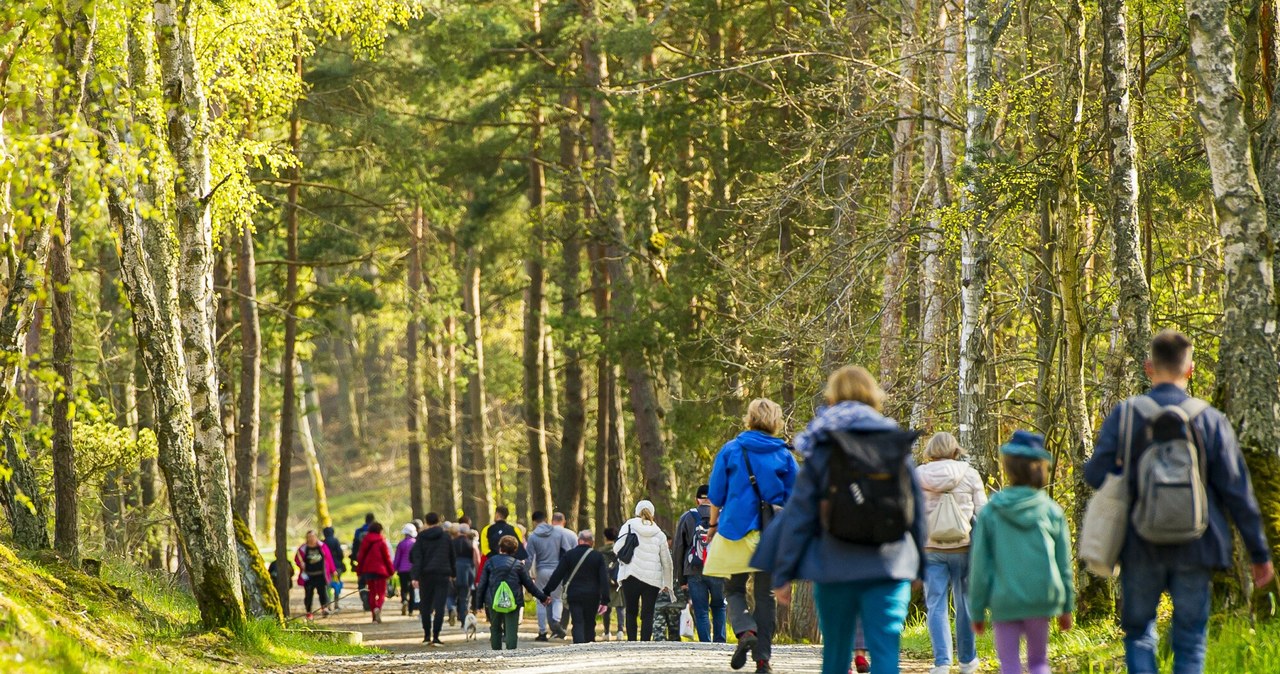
x=1008 y=636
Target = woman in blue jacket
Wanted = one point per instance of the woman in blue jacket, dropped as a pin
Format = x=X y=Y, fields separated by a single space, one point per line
x=851 y=581
x=735 y=524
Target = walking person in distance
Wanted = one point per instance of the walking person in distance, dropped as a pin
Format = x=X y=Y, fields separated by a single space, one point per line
x=585 y=576
x=689 y=554
x=434 y=564
x=546 y=547
x=502 y=586
x=375 y=568
x=404 y=568
x=644 y=569
x=753 y=476
x=315 y=571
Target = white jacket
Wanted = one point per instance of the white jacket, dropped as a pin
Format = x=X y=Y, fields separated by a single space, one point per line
x=651 y=562
x=948 y=475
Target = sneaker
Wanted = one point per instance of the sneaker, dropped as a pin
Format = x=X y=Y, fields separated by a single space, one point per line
x=558 y=633
x=746 y=643
x=861 y=664
x=542 y=636
x=437 y=643
x=762 y=667
x=970 y=667
x=310 y=617
x=940 y=669
x=620 y=636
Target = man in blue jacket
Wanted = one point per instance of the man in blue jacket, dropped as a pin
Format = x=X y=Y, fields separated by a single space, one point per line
x=1184 y=571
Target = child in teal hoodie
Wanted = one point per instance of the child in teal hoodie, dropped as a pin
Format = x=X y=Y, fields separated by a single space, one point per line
x=1020 y=566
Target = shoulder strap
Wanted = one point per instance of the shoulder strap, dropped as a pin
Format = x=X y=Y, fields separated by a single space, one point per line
x=1143 y=407
x=574 y=573
x=1193 y=407
x=751 y=475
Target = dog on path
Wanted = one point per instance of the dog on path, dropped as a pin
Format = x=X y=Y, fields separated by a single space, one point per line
x=469 y=626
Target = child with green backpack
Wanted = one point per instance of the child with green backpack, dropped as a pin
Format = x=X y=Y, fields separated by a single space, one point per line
x=1020 y=565
x=502 y=586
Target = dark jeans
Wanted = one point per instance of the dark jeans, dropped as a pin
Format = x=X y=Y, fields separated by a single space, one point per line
x=608 y=614
x=363 y=585
x=316 y=585
x=1189 y=589
x=406 y=590
x=462 y=598
x=707 y=595
x=503 y=628
x=762 y=620
x=640 y=599
x=584 y=621
x=434 y=590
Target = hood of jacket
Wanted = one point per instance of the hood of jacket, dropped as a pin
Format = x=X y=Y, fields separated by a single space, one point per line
x=758 y=442
x=942 y=476
x=432 y=534
x=1023 y=507
x=644 y=529
x=544 y=530
x=843 y=416
x=328 y=533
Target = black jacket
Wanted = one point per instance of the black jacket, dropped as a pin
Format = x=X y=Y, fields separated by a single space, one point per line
x=335 y=550
x=432 y=554
x=590 y=585
x=504 y=567
x=682 y=543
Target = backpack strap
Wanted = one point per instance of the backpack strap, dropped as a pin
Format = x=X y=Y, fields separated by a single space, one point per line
x=1143 y=407
x=1193 y=407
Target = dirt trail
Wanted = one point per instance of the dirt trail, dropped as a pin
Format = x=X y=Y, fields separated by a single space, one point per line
x=401 y=637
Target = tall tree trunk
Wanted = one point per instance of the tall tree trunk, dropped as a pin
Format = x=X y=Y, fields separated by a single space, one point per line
x=1268 y=140
x=442 y=421
x=1134 y=303
x=534 y=362
x=289 y=403
x=475 y=432
x=658 y=476
x=66 y=534
x=224 y=325
x=893 y=295
x=975 y=240
x=1248 y=376
x=569 y=494
x=250 y=400
x=153 y=545
x=306 y=436
x=182 y=85
x=413 y=372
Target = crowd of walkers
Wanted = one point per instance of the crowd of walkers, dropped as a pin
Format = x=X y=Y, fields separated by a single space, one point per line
x=860 y=520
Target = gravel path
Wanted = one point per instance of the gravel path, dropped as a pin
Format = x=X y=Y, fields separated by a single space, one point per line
x=401 y=637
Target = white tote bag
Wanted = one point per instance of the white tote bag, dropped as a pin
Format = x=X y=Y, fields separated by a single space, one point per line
x=1106 y=521
x=687 y=630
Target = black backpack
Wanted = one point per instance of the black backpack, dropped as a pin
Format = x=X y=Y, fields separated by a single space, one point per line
x=869 y=497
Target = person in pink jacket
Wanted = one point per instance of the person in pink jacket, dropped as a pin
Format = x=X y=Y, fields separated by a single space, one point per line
x=315 y=571
x=404 y=568
x=953 y=496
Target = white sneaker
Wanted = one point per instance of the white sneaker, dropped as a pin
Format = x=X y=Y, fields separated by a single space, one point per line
x=970 y=667
x=940 y=669
x=620 y=636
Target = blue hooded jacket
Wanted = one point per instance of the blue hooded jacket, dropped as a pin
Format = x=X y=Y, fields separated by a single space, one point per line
x=795 y=547
x=730 y=488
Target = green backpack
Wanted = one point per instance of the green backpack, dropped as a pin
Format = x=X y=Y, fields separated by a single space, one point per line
x=504 y=598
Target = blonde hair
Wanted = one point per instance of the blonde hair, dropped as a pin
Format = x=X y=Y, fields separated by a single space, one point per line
x=764 y=415
x=853 y=382
x=943 y=446
x=646 y=516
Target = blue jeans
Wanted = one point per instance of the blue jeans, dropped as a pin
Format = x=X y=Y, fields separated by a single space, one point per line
x=882 y=606
x=707 y=595
x=945 y=571
x=1190 y=590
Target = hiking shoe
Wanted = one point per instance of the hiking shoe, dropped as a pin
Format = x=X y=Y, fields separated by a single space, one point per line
x=762 y=667
x=746 y=643
x=558 y=633
x=542 y=636
x=437 y=643
x=861 y=664
x=940 y=669
x=970 y=667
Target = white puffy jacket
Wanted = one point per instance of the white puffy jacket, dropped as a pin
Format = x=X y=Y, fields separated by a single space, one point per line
x=651 y=563
x=948 y=475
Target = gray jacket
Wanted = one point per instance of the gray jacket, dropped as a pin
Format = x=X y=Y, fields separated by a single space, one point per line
x=547 y=544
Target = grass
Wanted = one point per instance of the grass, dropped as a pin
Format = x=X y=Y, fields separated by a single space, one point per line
x=54 y=618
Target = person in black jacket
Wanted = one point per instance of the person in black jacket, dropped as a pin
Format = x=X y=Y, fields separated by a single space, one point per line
x=335 y=551
x=503 y=566
x=464 y=579
x=433 y=568
x=586 y=577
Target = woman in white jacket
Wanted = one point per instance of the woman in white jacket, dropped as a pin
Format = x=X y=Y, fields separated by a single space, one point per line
x=648 y=572
x=953 y=495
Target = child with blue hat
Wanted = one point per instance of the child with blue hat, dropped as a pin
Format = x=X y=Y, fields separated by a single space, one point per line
x=1020 y=565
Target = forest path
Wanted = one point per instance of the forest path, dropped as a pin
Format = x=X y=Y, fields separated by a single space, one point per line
x=401 y=637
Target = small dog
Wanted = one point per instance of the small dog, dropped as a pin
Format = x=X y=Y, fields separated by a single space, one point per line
x=469 y=626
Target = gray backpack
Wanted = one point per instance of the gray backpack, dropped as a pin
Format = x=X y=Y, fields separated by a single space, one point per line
x=1170 y=505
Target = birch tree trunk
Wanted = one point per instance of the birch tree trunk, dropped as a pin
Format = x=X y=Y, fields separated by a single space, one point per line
x=658 y=476
x=244 y=502
x=183 y=89
x=1248 y=376
x=413 y=371
x=569 y=494
x=224 y=325
x=975 y=243
x=1134 y=303
x=893 y=294
x=1268 y=141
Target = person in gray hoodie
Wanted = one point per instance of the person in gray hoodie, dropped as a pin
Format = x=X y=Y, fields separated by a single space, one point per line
x=546 y=546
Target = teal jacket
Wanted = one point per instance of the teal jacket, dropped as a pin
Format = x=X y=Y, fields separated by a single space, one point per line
x=1020 y=564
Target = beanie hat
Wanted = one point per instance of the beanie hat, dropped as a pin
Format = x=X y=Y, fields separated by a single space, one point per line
x=409 y=530
x=645 y=505
x=703 y=490
x=1026 y=444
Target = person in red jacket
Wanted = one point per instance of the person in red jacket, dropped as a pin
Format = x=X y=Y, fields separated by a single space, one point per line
x=374 y=560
